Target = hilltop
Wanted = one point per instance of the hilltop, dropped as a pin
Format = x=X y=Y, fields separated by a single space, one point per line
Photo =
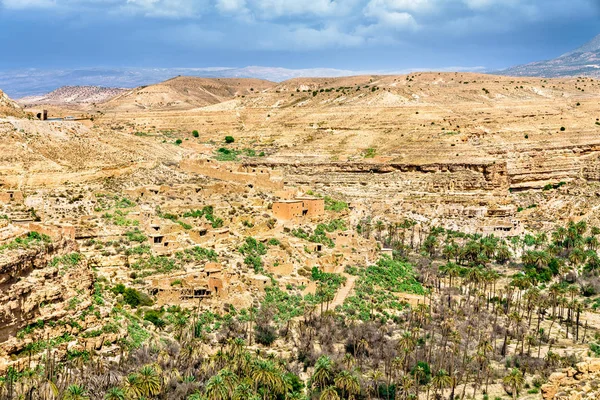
x=186 y=92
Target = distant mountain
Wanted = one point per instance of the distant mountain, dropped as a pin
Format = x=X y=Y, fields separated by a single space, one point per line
x=35 y=82
x=73 y=95
x=21 y=83
x=583 y=61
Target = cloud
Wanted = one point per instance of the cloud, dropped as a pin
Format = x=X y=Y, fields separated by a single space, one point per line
x=287 y=8
x=311 y=24
x=167 y=8
x=23 y=4
x=231 y=6
x=304 y=38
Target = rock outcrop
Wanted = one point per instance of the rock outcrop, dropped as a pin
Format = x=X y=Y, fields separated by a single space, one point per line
x=579 y=383
x=32 y=289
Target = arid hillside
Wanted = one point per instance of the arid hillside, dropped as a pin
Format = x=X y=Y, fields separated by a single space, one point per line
x=430 y=236
x=73 y=96
x=8 y=107
x=184 y=93
x=441 y=145
x=444 y=146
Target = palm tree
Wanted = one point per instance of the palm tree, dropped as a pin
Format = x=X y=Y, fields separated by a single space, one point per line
x=329 y=393
x=264 y=374
x=406 y=382
x=323 y=374
x=538 y=259
x=149 y=381
x=132 y=386
x=379 y=227
x=243 y=391
x=76 y=392
x=515 y=381
x=217 y=389
x=196 y=396
x=503 y=254
x=559 y=235
x=229 y=378
x=440 y=381
x=114 y=394
x=419 y=373
x=450 y=251
x=347 y=383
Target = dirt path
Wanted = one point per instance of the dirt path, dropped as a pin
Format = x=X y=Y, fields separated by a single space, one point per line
x=344 y=291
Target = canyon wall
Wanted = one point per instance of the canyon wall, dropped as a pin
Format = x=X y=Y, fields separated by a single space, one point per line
x=32 y=290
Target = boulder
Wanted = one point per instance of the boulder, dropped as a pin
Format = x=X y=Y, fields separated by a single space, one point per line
x=582 y=367
x=594 y=365
x=549 y=391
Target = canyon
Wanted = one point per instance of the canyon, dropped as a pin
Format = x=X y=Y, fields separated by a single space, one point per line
x=198 y=211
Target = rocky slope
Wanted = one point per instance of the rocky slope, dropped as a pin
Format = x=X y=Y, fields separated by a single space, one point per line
x=574 y=383
x=34 y=289
x=441 y=145
x=73 y=95
x=583 y=61
x=9 y=107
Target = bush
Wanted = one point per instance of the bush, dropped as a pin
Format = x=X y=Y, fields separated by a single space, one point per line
x=562 y=129
x=135 y=298
x=178 y=142
x=370 y=153
x=229 y=139
x=118 y=289
x=265 y=335
x=136 y=236
x=154 y=317
x=195 y=134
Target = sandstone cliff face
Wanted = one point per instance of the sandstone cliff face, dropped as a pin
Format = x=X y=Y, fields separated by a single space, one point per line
x=31 y=289
x=448 y=191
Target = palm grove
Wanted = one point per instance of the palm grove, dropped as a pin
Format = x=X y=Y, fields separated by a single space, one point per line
x=485 y=312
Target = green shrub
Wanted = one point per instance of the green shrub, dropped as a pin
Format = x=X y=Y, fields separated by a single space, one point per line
x=370 y=153
x=229 y=139
x=135 y=298
x=178 y=142
x=155 y=317
x=265 y=335
x=335 y=205
x=224 y=154
x=118 y=289
x=195 y=134
x=136 y=236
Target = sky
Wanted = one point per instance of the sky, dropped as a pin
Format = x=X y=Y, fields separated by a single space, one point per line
x=359 y=35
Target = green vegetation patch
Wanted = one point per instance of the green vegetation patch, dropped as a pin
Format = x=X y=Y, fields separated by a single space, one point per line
x=26 y=242
x=375 y=293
